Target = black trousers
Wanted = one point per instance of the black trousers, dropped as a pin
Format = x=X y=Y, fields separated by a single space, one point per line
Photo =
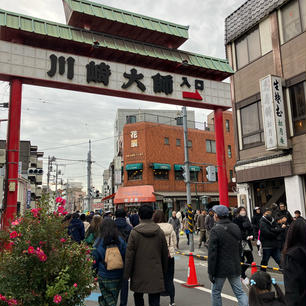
x=248 y=255
x=169 y=284
x=154 y=299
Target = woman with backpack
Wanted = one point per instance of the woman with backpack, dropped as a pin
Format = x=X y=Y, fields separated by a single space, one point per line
x=170 y=235
x=93 y=230
x=109 y=253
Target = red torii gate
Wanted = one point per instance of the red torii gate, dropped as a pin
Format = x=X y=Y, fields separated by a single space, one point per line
x=128 y=47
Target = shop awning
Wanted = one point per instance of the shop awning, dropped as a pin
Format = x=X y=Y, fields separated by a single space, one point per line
x=137 y=166
x=108 y=197
x=135 y=194
x=158 y=166
x=191 y=168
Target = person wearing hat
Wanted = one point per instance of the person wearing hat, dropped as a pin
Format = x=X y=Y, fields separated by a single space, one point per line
x=224 y=251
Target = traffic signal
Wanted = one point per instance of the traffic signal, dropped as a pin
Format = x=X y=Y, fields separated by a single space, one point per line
x=211 y=173
x=97 y=193
x=184 y=173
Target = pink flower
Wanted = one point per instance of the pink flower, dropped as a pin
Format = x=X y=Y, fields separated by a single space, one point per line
x=12 y=302
x=35 y=211
x=57 y=299
x=42 y=257
x=13 y=235
x=42 y=242
x=60 y=209
x=2 y=297
x=63 y=240
x=14 y=223
x=63 y=202
x=75 y=285
x=31 y=250
x=58 y=200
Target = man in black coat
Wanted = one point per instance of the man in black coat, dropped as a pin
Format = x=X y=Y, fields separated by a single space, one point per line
x=124 y=230
x=76 y=228
x=284 y=212
x=269 y=238
x=224 y=252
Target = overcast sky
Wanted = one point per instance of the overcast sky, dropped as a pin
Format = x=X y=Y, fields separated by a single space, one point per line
x=52 y=118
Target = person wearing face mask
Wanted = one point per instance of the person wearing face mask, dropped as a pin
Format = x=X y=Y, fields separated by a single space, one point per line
x=269 y=233
x=247 y=236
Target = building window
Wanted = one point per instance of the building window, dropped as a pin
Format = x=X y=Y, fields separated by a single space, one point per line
x=178 y=142
x=229 y=151
x=227 y=125
x=134 y=175
x=194 y=176
x=130 y=119
x=178 y=175
x=251 y=125
x=166 y=140
x=161 y=174
x=231 y=173
x=248 y=48
x=189 y=143
x=293 y=19
x=210 y=146
x=298 y=107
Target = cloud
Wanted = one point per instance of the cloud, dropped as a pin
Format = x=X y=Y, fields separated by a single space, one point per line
x=52 y=118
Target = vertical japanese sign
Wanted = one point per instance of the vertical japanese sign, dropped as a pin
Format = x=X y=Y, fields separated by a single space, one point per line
x=273 y=113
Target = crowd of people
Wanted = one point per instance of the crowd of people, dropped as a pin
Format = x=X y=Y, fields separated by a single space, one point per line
x=140 y=248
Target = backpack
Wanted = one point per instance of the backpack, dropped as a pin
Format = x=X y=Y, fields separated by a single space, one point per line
x=113 y=259
x=90 y=239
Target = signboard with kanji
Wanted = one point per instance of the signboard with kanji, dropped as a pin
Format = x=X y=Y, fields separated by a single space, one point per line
x=62 y=70
x=273 y=113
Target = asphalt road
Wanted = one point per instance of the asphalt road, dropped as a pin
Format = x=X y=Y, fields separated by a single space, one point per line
x=198 y=296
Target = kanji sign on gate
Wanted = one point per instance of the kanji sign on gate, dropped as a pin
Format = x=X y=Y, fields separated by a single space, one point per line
x=110 y=77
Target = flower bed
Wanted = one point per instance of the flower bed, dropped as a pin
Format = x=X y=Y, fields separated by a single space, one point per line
x=42 y=266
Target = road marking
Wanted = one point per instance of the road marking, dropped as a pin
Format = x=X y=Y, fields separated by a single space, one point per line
x=226 y=296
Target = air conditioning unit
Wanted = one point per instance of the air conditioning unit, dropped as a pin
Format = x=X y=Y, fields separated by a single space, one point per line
x=2 y=156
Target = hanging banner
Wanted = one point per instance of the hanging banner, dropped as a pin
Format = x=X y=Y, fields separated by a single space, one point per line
x=273 y=113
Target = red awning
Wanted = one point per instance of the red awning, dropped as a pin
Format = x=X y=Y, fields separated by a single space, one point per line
x=108 y=197
x=135 y=194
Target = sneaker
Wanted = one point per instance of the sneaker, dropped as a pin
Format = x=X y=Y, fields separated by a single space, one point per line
x=173 y=304
x=246 y=282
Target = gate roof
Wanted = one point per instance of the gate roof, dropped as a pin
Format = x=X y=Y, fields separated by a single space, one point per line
x=106 y=19
x=60 y=37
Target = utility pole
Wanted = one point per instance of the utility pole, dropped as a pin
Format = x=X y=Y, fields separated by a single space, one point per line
x=187 y=172
x=50 y=161
x=56 y=179
x=89 y=176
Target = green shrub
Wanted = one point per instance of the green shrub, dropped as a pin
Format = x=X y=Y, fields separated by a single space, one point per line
x=42 y=266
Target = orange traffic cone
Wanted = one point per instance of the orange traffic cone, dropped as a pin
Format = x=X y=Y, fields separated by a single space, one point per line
x=253 y=268
x=192 y=280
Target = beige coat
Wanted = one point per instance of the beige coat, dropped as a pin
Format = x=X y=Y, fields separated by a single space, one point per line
x=170 y=235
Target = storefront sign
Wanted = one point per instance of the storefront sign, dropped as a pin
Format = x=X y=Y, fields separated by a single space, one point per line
x=106 y=77
x=273 y=113
x=134 y=143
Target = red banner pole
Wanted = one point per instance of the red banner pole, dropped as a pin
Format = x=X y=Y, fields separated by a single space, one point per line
x=220 y=150
x=12 y=153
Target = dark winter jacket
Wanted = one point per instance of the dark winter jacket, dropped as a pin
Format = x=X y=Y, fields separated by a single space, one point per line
x=255 y=222
x=209 y=222
x=134 y=219
x=124 y=228
x=269 y=299
x=175 y=222
x=269 y=232
x=76 y=230
x=146 y=258
x=224 y=250
x=245 y=227
x=295 y=276
x=99 y=256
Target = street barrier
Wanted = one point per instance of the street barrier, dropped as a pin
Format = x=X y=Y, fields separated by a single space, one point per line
x=204 y=257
